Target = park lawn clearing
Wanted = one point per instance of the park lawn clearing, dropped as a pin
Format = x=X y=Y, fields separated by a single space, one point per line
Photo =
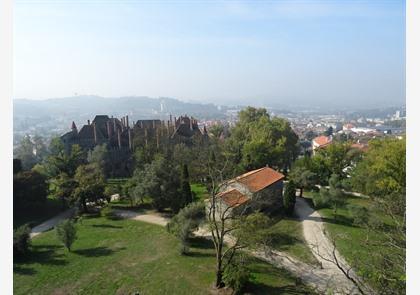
x=289 y=239
x=126 y=256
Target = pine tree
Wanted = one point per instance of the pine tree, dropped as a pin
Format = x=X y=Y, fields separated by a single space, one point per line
x=186 y=188
x=289 y=198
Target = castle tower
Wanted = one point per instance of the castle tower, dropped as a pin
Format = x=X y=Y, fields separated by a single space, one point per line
x=73 y=127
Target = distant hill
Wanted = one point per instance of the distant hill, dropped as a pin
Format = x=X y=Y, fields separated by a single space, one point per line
x=135 y=107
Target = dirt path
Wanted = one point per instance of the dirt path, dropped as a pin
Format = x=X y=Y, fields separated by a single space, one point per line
x=50 y=223
x=149 y=217
x=321 y=247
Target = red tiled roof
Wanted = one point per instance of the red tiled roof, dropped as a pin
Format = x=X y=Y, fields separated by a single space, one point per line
x=233 y=197
x=258 y=179
x=322 y=140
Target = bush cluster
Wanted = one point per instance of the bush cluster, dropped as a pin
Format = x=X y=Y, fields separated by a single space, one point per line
x=21 y=240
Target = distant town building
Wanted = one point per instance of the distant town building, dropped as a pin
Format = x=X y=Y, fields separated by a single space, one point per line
x=321 y=142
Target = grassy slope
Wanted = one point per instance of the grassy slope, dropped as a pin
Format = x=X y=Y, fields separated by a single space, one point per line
x=34 y=217
x=123 y=256
x=200 y=191
x=289 y=238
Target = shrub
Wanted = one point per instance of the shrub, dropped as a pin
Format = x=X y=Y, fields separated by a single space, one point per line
x=21 y=240
x=66 y=233
x=321 y=200
x=359 y=214
x=236 y=275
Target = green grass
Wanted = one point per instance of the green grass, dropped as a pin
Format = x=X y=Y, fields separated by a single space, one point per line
x=200 y=191
x=36 y=216
x=289 y=238
x=124 y=256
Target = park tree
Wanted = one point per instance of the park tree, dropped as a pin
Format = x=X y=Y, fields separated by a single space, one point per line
x=30 y=190
x=230 y=231
x=333 y=159
x=185 y=185
x=100 y=156
x=258 y=140
x=160 y=181
x=381 y=174
x=303 y=178
x=59 y=160
x=329 y=131
x=62 y=188
x=216 y=130
x=90 y=184
x=66 y=233
x=289 y=198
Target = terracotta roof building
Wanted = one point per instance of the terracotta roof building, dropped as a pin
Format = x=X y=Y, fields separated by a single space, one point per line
x=260 y=189
x=321 y=142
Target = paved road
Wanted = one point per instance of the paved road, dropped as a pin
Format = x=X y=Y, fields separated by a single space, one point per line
x=51 y=223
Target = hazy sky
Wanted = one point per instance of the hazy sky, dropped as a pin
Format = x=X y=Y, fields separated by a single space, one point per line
x=344 y=52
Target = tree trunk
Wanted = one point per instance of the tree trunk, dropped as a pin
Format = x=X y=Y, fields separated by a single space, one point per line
x=301 y=192
x=84 y=205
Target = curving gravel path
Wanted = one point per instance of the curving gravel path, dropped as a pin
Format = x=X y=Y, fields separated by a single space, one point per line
x=51 y=223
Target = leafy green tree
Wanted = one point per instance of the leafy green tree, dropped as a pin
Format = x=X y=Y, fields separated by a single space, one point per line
x=289 y=197
x=185 y=185
x=329 y=131
x=62 y=187
x=381 y=174
x=66 y=233
x=61 y=161
x=335 y=194
x=237 y=274
x=29 y=190
x=258 y=140
x=90 y=184
x=216 y=130
x=99 y=156
x=160 y=181
x=302 y=178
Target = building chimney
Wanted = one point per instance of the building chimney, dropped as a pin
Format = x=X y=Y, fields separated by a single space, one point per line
x=191 y=124
x=94 y=132
x=130 y=139
x=170 y=118
x=127 y=122
x=88 y=122
x=73 y=127
x=119 y=138
x=109 y=129
x=115 y=125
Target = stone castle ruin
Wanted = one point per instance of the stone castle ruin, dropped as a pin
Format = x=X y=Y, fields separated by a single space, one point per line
x=121 y=139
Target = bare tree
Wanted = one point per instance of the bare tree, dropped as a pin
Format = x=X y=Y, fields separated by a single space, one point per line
x=225 y=220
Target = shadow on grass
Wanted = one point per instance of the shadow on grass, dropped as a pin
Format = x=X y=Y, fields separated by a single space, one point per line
x=199 y=254
x=200 y=242
x=23 y=270
x=261 y=288
x=45 y=254
x=106 y=226
x=96 y=252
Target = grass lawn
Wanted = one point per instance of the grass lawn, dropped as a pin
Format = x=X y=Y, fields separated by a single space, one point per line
x=200 y=191
x=351 y=238
x=289 y=239
x=125 y=256
x=34 y=217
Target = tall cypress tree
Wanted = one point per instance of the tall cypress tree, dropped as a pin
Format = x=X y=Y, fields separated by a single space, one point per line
x=186 y=188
